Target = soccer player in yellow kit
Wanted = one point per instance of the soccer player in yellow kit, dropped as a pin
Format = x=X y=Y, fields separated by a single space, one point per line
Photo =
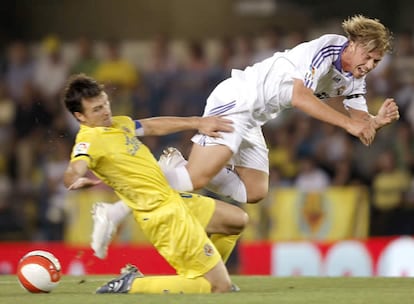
x=109 y=147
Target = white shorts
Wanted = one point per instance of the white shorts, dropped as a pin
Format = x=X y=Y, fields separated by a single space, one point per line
x=246 y=141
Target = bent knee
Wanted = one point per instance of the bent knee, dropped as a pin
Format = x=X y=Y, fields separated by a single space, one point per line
x=241 y=223
x=237 y=225
x=256 y=194
x=245 y=220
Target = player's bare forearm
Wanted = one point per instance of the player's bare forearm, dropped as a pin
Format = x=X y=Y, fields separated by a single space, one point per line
x=74 y=171
x=364 y=116
x=336 y=103
x=303 y=99
x=169 y=124
x=73 y=177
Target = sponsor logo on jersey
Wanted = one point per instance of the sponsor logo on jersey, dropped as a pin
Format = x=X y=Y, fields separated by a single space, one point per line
x=310 y=74
x=336 y=79
x=81 y=148
x=132 y=144
x=340 y=90
x=208 y=250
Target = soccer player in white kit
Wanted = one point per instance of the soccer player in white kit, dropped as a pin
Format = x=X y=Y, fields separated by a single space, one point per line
x=330 y=66
x=236 y=164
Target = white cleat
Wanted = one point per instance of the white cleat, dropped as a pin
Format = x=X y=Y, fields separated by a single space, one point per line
x=103 y=230
x=171 y=158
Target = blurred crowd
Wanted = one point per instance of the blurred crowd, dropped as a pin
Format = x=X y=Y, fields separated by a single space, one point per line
x=37 y=134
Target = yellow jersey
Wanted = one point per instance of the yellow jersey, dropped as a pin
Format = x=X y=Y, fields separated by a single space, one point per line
x=124 y=163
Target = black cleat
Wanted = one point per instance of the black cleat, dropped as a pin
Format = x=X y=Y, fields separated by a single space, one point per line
x=123 y=283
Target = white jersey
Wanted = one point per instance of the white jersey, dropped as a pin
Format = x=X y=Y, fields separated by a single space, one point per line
x=267 y=85
x=259 y=93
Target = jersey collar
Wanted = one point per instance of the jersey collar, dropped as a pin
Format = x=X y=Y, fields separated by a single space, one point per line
x=338 y=64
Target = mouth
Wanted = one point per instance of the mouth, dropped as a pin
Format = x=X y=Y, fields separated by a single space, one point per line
x=108 y=121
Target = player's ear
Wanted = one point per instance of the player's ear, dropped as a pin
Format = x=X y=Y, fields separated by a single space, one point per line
x=79 y=116
x=352 y=46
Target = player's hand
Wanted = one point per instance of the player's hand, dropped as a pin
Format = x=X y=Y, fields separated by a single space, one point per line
x=367 y=139
x=213 y=125
x=387 y=113
x=367 y=135
x=84 y=182
x=364 y=130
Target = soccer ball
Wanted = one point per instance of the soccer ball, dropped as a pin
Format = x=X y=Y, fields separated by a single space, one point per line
x=39 y=271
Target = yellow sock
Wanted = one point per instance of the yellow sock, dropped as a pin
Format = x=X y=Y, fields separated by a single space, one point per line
x=224 y=244
x=170 y=284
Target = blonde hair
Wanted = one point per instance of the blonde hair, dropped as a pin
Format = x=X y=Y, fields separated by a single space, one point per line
x=370 y=33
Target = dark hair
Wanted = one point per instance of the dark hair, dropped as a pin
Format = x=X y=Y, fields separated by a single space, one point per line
x=77 y=88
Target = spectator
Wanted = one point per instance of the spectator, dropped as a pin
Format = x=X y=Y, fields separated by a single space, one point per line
x=311 y=178
x=282 y=153
x=30 y=123
x=52 y=202
x=19 y=69
x=86 y=61
x=333 y=146
x=402 y=69
x=158 y=74
x=115 y=70
x=51 y=72
x=389 y=186
x=191 y=87
x=243 y=52
x=270 y=41
x=403 y=146
x=119 y=75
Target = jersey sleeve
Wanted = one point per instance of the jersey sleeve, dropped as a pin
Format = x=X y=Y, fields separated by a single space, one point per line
x=357 y=102
x=88 y=147
x=356 y=99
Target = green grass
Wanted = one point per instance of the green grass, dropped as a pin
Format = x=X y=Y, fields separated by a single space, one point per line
x=255 y=289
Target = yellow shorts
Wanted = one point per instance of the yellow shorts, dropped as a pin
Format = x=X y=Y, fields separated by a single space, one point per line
x=177 y=230
x=202 y=207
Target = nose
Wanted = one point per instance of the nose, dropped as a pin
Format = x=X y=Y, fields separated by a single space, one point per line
x=107 y=110
x=370 y=64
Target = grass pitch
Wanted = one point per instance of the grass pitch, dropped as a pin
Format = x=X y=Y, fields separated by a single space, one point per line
x=254 y=289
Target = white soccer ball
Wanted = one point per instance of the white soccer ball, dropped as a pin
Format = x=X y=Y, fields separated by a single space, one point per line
x=39 y=271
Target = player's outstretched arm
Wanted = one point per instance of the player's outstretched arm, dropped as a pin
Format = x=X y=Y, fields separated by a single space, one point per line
x=304 y=100
x=164 y=125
